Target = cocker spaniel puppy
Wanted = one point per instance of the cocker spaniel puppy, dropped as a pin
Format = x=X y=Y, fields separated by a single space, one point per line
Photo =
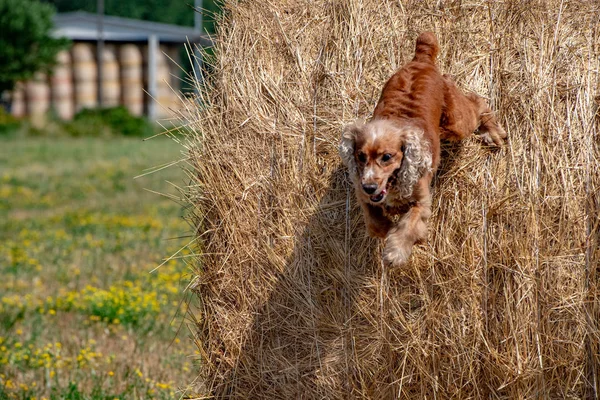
x=392 y=158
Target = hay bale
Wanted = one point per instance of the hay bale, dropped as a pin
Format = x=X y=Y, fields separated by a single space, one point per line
x=503 y=300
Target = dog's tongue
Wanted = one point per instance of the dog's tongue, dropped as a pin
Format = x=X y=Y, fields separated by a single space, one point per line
x=379 y=197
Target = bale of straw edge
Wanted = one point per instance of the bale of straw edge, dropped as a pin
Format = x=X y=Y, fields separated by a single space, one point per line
x=502 y=302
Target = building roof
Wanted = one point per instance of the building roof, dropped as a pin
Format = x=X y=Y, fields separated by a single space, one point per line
x=80 y=25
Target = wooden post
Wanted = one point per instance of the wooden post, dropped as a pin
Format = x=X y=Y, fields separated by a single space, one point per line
x=196 y=52
x=100 y=49
x=198 y=16
x=152 y=59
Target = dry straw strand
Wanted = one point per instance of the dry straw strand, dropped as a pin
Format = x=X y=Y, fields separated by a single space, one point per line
x=503 y=300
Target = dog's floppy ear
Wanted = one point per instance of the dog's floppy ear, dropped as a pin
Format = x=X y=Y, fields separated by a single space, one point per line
x=416 y=160
x=346 y=148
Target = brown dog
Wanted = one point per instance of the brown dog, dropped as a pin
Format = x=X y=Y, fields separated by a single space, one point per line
x=393 y=157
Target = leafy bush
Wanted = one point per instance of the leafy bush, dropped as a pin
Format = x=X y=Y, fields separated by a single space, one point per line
x=107 y=121
x=8 y=123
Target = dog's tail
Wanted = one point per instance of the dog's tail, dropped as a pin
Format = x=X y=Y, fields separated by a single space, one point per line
x=427 y=48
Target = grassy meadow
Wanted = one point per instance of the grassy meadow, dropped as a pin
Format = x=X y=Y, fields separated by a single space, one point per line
x=81 y=314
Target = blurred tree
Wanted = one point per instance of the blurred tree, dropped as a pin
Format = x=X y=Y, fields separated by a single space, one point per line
x=26 y=46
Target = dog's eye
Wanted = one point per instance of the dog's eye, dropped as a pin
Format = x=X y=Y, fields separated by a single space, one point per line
x=386 y=157
x=362 y=157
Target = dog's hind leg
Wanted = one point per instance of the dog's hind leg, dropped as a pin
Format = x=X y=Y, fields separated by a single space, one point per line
x=465 y=113
x=491 y=132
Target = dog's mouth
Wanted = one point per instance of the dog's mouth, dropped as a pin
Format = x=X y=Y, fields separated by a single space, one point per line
x=377 y=198
x=390 y=183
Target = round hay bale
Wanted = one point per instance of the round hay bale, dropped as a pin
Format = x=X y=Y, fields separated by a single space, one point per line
x=85 y=76
x=19 y=103
x=61 y=86
x=132 y=86
x=502 y=302
x=37 y=92
x=166 y=84
x=111 y=85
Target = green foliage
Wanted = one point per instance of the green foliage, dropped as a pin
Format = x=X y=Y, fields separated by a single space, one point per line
x=108 y=121
x=26 y=46
x=8 y=123
x=105 y=122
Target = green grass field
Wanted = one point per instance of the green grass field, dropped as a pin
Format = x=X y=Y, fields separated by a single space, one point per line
x=81 y=314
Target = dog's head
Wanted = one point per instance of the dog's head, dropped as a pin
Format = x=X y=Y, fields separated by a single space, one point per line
x=384 y=156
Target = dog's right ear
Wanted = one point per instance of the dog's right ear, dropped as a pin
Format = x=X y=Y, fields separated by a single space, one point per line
x=346 y=148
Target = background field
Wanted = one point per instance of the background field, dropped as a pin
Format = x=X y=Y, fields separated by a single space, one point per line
x=81 y=316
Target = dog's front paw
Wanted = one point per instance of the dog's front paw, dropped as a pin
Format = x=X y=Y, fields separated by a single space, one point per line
x=396 y=255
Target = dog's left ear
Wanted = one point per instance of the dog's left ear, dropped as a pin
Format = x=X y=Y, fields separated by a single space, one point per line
x=346 y=147
x=416 y=159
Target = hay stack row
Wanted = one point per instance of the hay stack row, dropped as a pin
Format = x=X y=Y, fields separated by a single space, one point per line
x=503 y=300
x=73 y=84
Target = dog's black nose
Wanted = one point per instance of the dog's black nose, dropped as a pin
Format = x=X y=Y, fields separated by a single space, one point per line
x=370 y=188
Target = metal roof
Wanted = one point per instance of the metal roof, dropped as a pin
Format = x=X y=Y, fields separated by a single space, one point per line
x=80 y=25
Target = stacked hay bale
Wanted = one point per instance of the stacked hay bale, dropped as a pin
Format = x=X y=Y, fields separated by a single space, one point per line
x=111 y=85
x=37 y=92
x=61 y=86
x=132 y=93
x=85 y=76
x=503 y=300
